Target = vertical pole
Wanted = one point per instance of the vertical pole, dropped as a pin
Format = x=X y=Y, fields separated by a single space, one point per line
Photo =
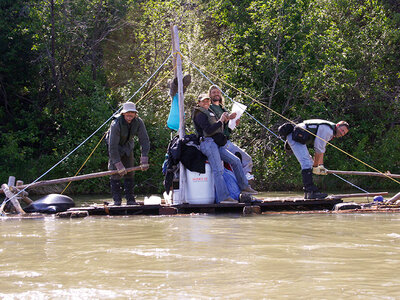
x=178 y=72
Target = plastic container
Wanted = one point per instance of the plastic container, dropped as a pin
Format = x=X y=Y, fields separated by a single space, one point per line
x=175 y=197
x=378 y=199
x=152 y=200
x=200 y=187
x=168 y=198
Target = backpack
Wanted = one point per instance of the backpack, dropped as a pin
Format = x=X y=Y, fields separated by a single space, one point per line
x=107 y=133
x=285 y=129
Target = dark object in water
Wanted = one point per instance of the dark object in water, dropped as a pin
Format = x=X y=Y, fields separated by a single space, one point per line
x=346 y=206
x=50 y=204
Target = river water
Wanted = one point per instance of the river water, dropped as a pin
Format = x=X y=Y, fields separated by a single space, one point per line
x=313 y=256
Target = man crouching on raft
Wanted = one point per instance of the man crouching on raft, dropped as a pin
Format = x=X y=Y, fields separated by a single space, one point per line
x=298 y=141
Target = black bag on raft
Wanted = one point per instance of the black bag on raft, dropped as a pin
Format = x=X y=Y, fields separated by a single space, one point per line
x=220 y=139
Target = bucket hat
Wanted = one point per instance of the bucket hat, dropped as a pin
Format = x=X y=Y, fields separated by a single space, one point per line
x=128 y=106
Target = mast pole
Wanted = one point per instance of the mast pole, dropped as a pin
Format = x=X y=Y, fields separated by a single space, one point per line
x=178 y=74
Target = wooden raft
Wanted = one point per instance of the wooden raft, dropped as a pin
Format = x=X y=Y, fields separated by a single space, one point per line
x=273 y=205
x=266 y=205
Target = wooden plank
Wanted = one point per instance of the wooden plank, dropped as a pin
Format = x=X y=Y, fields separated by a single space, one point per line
x=394 y=198
x=281 y=205
x=363 y=173
x=340 y=196
x=75 y=178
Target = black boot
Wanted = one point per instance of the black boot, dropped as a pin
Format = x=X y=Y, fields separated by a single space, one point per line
x=173 y=84
x=130 y=196
x=116 y=191
x=310 y=190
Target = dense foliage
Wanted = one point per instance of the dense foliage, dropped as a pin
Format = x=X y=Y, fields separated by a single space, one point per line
x=66 y=66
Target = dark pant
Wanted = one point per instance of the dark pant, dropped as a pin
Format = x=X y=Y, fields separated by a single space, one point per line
x=115 y=181
x=128 y=162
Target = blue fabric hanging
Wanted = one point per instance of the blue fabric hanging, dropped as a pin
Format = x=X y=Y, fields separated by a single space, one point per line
x=173 y=118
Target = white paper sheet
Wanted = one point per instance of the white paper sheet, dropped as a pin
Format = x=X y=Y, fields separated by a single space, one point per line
x=239 y=109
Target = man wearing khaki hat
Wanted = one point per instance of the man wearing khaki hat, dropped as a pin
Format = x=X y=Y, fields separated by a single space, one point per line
x=120 y=140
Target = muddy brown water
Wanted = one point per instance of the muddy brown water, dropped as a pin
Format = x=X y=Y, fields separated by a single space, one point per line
x=201 y=257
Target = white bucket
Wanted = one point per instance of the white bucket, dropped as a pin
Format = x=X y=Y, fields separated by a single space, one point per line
x=200 y=187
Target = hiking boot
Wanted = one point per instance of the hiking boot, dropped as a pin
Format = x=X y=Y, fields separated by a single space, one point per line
x=229 y=200
x=173 y=84
x=116 y=191
x=247 y=198
x=129 y=186
x=310 y=190
x=249 y=190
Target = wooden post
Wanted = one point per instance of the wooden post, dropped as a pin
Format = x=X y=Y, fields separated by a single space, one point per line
x=24 y=194
x=177 y=57
x=14 y=200
x=11 y=181
x=394 y=198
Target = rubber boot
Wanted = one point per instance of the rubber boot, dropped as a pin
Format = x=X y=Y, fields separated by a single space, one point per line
x=173 y=84
x=116 y=191
x=128 y=187
x=310 y=190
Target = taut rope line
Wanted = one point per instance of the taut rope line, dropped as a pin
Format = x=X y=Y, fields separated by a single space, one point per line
x=90 y=155
x=275 y=112
x=89 y=137
x=262 y=125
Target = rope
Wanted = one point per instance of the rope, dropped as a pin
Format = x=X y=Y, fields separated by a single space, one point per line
x=275 y=112
x=87 y=159
x=165 y=61
x=352 y=184
x=278 y=137
x=90 y=155
x=89 y=137
x=212 y=83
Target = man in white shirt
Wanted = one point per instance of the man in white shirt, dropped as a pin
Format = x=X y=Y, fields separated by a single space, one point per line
x=298 y=141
